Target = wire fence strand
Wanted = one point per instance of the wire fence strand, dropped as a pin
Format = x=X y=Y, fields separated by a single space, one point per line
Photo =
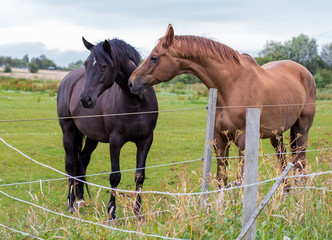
x=159 y=192
x=18 y=231
x=83 y=220
x=158 y=111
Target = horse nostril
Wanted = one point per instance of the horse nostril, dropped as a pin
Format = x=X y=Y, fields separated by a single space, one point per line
x=130 y=85
x=88 y=100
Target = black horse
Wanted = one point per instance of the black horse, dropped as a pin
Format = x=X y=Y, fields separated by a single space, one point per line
x=90 y=91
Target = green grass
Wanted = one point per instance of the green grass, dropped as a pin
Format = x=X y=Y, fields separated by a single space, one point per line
x=179 y=136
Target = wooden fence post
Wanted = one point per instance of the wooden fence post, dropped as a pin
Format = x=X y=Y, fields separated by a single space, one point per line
x=250 y=168
x=257 y=211
x=208 y=146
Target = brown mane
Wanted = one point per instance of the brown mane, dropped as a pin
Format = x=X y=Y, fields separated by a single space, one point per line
x=195 y=47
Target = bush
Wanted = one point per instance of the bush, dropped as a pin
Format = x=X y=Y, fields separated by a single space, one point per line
x=7 y=69
x=33 y=67
x=323 y=77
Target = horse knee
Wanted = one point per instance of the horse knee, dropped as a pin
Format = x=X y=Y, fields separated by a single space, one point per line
x=115 y=179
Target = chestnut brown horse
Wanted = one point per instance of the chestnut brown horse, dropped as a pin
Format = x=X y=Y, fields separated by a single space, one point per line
x=284 y=91
x=101 y=88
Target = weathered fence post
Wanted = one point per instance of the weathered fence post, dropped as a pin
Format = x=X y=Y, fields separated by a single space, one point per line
x=208 y=145
x=257 y=211
x=250 y=168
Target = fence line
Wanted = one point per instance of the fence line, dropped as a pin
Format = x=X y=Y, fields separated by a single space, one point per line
x=83 y=220
x=134 y=169
x=158 y=111
x=18 y=231
x=157 y=192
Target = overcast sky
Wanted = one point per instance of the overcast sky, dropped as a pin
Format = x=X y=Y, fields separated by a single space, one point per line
x=55 y=28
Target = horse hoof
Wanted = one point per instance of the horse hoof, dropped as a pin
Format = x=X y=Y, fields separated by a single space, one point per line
x=80 y=203
x=71 y=209
x=111 y=222
x=140 y=220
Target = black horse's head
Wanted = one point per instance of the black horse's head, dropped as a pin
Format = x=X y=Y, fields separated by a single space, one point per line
x=109 y=61
x=101 y=72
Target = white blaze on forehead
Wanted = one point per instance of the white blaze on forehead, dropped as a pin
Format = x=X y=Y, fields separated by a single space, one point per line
x=94 y=62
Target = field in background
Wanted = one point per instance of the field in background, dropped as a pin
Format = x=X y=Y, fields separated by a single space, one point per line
x=179 y=136
x=50 y=75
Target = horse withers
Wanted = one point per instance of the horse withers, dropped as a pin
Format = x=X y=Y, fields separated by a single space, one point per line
x=284 y=91
x=101 y=88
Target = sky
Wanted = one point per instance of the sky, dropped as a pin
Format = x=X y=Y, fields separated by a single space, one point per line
x=55 y=28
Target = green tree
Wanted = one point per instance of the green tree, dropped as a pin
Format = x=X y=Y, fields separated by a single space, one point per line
x=25 y=60
x=7 y=69
x=303 y=49
x=326 y=54
x=323 y=77
x=75 y=65
x=273 y=51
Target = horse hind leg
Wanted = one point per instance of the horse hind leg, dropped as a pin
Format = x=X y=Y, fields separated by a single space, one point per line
x=72 y=142
x=299 y=139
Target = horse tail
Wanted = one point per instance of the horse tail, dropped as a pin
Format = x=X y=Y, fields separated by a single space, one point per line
x=293 y=140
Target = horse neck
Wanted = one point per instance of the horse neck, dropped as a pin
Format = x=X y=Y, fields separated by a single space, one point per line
x=213 y=73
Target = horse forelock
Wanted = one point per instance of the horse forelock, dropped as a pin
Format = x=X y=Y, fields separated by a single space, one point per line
x=195 y=47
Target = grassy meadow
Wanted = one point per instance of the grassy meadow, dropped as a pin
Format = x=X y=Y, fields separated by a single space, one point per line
x=305 y=213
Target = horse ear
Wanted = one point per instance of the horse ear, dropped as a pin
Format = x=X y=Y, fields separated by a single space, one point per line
x=107 y=46
x=88 y=45
x=169 y=36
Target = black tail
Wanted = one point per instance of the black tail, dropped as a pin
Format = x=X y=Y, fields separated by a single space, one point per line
x=293 y=140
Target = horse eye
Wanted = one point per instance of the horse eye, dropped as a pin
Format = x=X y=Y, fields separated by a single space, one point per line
x=153 y=59
x=104 y=67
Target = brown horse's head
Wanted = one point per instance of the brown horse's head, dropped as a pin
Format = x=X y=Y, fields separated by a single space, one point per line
x=159 y=66
x=100 y=72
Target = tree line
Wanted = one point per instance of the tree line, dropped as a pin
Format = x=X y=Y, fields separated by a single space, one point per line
x=36 y=63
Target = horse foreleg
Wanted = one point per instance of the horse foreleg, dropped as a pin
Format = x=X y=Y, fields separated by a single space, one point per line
x=116 y=144
x=278 y=145
x=143 y=148
x=240 y=143
x=84 y=159
x=221 y=148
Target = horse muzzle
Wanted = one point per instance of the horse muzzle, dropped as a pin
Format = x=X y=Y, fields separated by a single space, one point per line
x=87 y=101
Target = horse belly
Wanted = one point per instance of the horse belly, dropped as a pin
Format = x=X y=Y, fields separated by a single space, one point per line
x=280 y=119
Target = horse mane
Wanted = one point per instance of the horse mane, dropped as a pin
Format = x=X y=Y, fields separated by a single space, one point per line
x=195 y=47
x=121 y=53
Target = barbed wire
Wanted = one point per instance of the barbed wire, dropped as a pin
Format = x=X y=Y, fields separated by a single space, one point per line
x=83 y=220
x=18 y=231
x=158 y=111
x=159 y=192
